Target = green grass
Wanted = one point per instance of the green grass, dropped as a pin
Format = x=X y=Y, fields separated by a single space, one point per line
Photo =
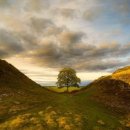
x=66 y=108
x=64 y=89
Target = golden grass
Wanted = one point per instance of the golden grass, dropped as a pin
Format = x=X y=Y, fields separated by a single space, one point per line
x=45 y=119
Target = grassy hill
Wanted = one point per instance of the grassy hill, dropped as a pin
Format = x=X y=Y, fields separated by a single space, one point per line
x=12 y=78
x=25 y=105
x=114 y=90
x=18 y=93
x=122 y=74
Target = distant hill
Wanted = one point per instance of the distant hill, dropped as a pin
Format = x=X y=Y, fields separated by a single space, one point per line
x=112 y=90
x=84 y=83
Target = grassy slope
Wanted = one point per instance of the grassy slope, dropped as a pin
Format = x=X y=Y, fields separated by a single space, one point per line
x=96 y=111
x=122 y=74
x=66 y=106
x=114 y=90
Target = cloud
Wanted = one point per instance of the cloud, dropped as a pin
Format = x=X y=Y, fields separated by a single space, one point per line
x=9 y=44
x=69 y=37
x=55 y=33
x=72 y=52
x=44 y=26
x=40 y=24
x=67 y=13
x=4 y=3
x=46 y=52
x=36 y=6
x=92 y=14
x=27 y=39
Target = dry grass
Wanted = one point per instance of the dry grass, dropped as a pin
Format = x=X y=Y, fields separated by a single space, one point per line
x=46 y=119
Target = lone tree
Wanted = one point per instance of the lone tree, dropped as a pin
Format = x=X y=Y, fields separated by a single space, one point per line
x=67 y=77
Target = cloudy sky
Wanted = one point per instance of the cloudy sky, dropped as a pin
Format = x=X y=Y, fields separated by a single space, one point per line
x=40 y=37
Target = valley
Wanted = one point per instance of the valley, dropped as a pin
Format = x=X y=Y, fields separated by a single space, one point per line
x=25 y=105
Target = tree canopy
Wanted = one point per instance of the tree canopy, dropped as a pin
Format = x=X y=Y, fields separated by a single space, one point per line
x=67 y=77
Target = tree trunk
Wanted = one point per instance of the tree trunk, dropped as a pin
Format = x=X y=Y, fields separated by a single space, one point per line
x=67 y=88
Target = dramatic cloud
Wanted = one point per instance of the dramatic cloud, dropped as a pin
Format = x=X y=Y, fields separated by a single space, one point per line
x=81 y=56
x=40 y=24
x=9 y=44
x=70 y=38
x=4 y=3
x=44 y=27
x=88 y=35
x=66 y=13
x=39 y=5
